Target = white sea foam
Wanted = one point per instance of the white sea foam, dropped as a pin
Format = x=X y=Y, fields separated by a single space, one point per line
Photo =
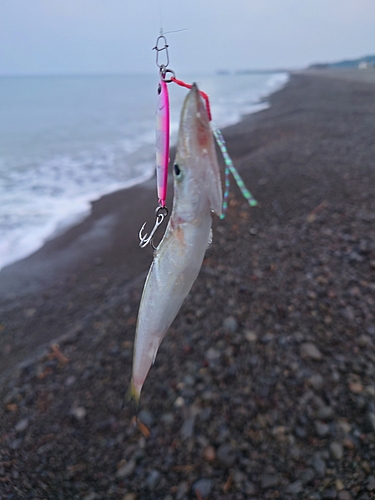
x=57 y=157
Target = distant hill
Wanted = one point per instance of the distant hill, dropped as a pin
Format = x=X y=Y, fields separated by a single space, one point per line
x=354 y=63
x=368 y=61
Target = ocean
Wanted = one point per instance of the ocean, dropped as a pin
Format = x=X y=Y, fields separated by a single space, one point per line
x=67 y=140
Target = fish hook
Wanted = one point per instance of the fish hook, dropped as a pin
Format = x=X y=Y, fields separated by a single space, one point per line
x=161 y=214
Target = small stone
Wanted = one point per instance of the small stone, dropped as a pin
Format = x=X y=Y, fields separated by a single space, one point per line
x=79 y=412
x=329 y=494
x=90 y=496
x=336 y=450
x=226 y=455
x=153 y=479
x=339 y=485
x=364 y=340
x=319 y=465
x=230 y=324
x=189 y=380
x=348 y=443
x=370 y=390
x=370 y=483
x=126 y=470
x=269 y=481
x=130 y=496
x=202 y=487
x=15 y=443
x=325 y=413
x=238 y=477
x=249 y=488
x=371 y=420
x=22 y=425
x=212 y=354
x=356 y=387
x=321 y=428
x=209 y=453
x=307 y=475
x=145 y=416
x=344 y=426
x=316 y=381
x=366 y=466
x=187 y=428
x=70 y=380
x=29 y=313
x=167 y=418
x=251 y=336
x=309 y=350
x=267 y=338
x=300 y=432
x=295 y=487
x=179 y=402
x=182 y=490
x=344 y=495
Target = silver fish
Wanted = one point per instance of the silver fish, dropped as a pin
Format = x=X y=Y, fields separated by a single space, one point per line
x=179 y=256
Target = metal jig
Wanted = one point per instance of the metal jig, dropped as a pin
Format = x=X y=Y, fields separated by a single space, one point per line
x=161 y=214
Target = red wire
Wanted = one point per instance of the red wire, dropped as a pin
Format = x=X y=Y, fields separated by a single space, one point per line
x=203 y=94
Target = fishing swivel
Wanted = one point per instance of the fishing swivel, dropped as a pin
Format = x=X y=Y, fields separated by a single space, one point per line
x=160 y=46
x=144 y=240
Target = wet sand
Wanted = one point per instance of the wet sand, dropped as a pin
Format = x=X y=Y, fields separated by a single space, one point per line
x=265 y=384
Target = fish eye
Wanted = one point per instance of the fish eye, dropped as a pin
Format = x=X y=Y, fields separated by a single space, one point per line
x=159 y=89
x=177 y=171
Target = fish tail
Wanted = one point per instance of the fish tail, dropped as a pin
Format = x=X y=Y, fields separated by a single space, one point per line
x=132 y=393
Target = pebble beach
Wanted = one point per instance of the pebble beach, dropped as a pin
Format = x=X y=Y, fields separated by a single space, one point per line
x=264 y=387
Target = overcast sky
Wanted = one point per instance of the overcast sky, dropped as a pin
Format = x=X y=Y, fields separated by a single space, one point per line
x=116 y=36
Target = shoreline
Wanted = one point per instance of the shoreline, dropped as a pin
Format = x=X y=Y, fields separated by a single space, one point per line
x=264 y=386
x=78 y=208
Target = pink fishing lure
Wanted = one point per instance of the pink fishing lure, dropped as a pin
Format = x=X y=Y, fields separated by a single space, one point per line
x=162 y=141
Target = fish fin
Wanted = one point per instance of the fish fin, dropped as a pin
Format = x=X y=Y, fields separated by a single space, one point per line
x=213 y=182
x=210 y=238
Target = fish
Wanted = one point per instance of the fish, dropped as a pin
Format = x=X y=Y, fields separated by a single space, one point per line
x=162 y=141
x=179 y=256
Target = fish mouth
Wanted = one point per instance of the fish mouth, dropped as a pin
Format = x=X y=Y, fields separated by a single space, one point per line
x=195 y=134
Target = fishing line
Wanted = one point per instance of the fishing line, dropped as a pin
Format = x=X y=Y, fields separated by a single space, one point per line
x=175 y=31
x=160 y=17
x=203 y=94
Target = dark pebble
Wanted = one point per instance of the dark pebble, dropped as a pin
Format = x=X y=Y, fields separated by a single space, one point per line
x=203 y=486
x=153 y=479
x=269 y=481
x=329 y=494
x=295 y=487
x=319 y=465
x=226 y=455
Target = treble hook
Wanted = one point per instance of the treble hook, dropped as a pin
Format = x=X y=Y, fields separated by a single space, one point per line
x=161 y=214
